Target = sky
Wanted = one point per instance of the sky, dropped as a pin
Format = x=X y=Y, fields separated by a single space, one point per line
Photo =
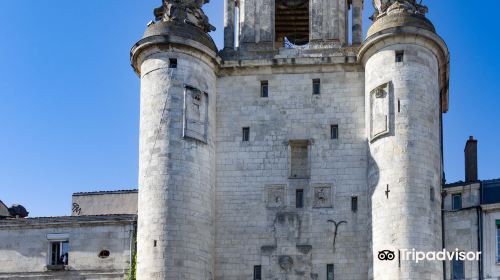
x=69 y=100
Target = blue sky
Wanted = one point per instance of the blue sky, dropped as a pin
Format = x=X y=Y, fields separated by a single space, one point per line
x=69 y=107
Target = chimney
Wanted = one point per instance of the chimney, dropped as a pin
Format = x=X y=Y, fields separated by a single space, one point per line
x=471 y=160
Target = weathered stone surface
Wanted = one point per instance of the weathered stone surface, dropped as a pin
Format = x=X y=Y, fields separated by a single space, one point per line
x=104 y=203
x=24 y=247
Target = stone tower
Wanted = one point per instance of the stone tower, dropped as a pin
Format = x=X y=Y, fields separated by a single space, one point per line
x=406 y=92
x=299 y=150
x=175 y=61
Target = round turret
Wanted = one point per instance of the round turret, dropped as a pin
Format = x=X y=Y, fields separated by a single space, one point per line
x=406 y=92
x=176 y=61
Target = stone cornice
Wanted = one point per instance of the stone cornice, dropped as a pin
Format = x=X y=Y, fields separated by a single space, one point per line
x=67 y=221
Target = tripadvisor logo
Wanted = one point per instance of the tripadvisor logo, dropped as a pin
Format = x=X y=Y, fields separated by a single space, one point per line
x=417 y=256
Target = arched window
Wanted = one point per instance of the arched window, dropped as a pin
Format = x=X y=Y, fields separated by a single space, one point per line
x=291 y=23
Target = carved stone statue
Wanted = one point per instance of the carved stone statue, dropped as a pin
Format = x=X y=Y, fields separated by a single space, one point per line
x=185 y=11
x=384 y=7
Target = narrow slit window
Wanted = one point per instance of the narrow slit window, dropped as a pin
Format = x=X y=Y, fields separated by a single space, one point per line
x=431 y=194
x=316 y=86
x=400 y=56
x=334 y=131
x=299 y=198
x=172 y=63
x=246 y=134
x=497 y=222
x=264 y=89
x=329 y=272
x=354 y=204
x=257 y=272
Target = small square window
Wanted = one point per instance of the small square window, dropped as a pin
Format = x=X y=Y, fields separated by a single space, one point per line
x=400 y=56
x=299 y=198
x=329 y=272
x=354 y=204
x=264 y=89
x=316 y=86
x=456 y=201
x=172 y=63
x=334 y=131
x=257 y=272
x=246 y=134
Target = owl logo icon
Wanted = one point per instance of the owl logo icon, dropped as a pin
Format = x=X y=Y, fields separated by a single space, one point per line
x=386 y=255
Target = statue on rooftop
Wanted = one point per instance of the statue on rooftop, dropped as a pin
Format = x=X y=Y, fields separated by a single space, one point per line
x=384 y=7
x=185 y=11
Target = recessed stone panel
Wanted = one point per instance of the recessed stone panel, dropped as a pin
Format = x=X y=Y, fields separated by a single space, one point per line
x=322 y=196
x=379 y=111
x=195 y=114
x=276 y=196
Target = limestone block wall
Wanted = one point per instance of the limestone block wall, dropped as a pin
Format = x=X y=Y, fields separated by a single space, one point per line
x=104 y=203
x=491 y=266
x=176 y=174
x=471 y=195
x=461 y=232
x=403 y=117
x=257 y=222
x=25 y=250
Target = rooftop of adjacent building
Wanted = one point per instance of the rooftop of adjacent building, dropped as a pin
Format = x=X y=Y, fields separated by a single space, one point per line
x=68 y=220
x=105 y=192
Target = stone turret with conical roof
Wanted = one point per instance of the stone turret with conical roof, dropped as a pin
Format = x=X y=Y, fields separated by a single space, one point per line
x=176 y=61
x=406 y=92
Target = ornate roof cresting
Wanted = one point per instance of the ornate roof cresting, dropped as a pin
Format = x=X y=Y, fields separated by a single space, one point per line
x=184 y=11
x=385 y=7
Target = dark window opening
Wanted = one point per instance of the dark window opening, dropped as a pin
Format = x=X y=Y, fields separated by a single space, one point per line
x=400 y=56
x=399 y=106
x=154 y=243
x=257 y=272
x=172 y=63
x=432 y=194
x=299 y=198
x=291 y=23
x=316 y=86
x=457 y=270
x=498 y=240
x=246 y=134
x=104 y=254
x=264 y=89
x=334 y=131
x=59 y=253
x=456 y=201
x=354 y=204
x=329 y=272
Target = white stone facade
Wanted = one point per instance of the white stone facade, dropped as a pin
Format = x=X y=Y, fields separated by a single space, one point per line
x=247 y=177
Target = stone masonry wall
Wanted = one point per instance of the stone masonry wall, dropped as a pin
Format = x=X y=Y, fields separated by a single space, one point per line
x=24 y=252
x=256 y=221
